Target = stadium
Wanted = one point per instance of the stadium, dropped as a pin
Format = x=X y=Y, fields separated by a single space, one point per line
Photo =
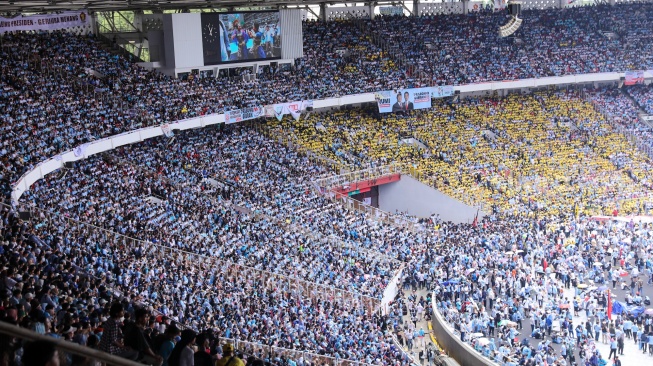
x=310 y=183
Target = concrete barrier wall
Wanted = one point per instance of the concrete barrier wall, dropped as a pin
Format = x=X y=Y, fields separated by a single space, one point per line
x=460 y=351
x=418 y=199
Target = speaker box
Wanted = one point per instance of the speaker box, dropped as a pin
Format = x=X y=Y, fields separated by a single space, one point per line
x=68 y=165
x=309 y=109
x=514 y=8
x=24 y=215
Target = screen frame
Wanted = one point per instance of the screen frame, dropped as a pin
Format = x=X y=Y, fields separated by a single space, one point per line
x=218 y=13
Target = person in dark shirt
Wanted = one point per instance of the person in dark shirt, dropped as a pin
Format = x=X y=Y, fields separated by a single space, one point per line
x=135 y=338
x=203 y=355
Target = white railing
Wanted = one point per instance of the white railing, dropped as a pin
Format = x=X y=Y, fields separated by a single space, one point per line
x=85 y=150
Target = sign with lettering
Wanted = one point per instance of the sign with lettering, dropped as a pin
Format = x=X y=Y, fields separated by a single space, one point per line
x=63 y=20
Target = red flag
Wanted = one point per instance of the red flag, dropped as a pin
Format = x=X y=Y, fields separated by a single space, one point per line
x=609 y=305
x=475 y=222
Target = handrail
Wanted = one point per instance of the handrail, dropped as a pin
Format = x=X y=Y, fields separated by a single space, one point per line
x=71 y=347
x=300 y=285
x=480 y=359
x=202 y=121
x=317 y=236
x=203 y=257
x=328 y=183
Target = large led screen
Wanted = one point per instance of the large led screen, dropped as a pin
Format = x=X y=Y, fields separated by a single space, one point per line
x=240 y=37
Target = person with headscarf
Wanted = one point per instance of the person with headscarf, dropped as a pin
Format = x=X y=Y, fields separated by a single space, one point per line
x=183 y=354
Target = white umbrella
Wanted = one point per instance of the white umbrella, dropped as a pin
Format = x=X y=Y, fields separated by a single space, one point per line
x=483 y=341
x=476 y=335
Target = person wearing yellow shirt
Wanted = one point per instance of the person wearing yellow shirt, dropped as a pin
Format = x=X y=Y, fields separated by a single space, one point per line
x=228 y=357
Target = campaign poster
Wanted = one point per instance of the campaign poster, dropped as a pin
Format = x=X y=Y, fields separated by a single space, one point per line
x=634 y=77
x=239 y=115
x=403 y=100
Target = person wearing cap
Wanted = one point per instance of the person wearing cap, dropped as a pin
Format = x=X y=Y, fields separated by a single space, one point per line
x=228 y=357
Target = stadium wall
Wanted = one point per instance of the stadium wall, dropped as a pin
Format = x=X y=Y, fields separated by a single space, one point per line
x=417 y=199
x=460 y=351
x=45 y=167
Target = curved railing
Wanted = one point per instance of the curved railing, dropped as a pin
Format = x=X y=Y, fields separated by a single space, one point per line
x=303 y=289
x=109 y=143
x=460 y=351
x=81 y=152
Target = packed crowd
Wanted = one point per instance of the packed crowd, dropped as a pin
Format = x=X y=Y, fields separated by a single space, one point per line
x=644 y=97
x=60 y=90
x=623 y=111
x=550 y=152
x=550 y=273
x=460 y=49
x=258 y=238
x=191 y=217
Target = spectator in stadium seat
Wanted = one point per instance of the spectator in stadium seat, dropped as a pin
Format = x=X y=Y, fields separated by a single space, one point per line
x=40 y=353
x=183 y=353
x=228 y=357
x=135 y=339
x=164 y=343
x=112 y=337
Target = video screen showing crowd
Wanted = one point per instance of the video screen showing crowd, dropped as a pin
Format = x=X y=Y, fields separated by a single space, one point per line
x=237 y=37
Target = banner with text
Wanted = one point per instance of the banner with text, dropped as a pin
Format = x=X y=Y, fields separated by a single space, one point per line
x=391 y=10
x=294 y=109
x=442 y=91
x=634 y=77
x=403 y=100
x=67 y=19
x=244 y=114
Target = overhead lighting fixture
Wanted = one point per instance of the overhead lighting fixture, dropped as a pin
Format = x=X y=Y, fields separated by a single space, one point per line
x=514 y=8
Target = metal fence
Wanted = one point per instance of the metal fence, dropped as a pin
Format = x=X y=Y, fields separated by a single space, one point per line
x=64 y=348
x=303 y=290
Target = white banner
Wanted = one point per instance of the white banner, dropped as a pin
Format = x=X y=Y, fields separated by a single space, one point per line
x=499 y=4
x=244 y=114
x=306 y=104
x=293 y=108
x=475 y=6
x=80 y=150
x=67 y=19
x=166 y=130
x=391 y=10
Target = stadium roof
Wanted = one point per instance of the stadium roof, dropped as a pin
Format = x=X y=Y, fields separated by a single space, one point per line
x=109 y=5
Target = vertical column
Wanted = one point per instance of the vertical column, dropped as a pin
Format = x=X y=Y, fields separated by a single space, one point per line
x=465 y=6
x=415 y=8
x=370 y=8
x=323 y=12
